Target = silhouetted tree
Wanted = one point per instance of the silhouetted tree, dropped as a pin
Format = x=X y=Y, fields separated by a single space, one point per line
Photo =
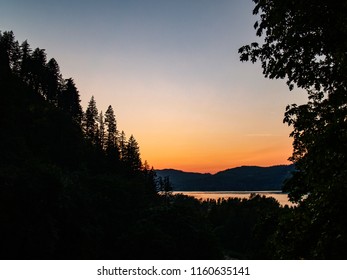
x=53 y=81
x=69 y=100
x=132 y=157
x=91 y=121
x=37 y=68
x=122 y=145
x=25 y=67
x=10 y=51
x=111 y=144
x=150 y=177
x=165 y=186
x=101 y=131
x=5 y=69
x=9 y=54
x=305 y=42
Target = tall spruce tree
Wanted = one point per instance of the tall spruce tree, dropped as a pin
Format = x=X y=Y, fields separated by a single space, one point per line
x=9 y=55
x=69 y=100
x=53 y=81
x=111 y=139
x=5 y=69
x=25 y=64
x=101 y=131
x=132 y=157
x=111 y=128
x=38 y=69
x=11 y=52
x=122 y=145
x=91 y=121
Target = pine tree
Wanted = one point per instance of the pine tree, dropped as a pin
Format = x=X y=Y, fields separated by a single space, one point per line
x=5 y=69
x=69 y=100
x=11 y=51
x=38 y=67
x=111 y=129
x=101 y=131
x=9 y=55
x=25 y=73
x=53 y=81
x=165 y=186
x=150 y=177
x=122 y=145
x=91 y=121
x=132 y=157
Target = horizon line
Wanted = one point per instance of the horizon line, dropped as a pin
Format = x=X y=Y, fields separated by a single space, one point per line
x=213 y=173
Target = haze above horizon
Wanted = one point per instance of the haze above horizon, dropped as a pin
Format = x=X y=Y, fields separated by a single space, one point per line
x=171 y=71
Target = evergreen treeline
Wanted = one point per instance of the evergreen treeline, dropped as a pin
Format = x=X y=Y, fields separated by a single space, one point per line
x=70 y=185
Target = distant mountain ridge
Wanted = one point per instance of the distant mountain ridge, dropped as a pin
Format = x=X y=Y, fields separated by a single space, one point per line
x=244 y=178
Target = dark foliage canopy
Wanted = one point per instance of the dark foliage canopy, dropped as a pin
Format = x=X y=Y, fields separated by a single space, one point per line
x=305 y=42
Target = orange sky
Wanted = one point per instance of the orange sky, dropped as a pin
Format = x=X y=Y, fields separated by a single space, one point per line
x=200 y=128
x=171 y=71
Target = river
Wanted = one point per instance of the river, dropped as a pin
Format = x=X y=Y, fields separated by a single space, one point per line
x=282 y=198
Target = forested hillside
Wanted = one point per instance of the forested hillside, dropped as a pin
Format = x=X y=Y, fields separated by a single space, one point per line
x=244 y=178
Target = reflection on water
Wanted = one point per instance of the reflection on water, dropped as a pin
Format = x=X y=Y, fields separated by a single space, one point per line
x=282 y=198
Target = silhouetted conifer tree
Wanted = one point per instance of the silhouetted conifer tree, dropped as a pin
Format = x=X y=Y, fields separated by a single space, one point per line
x=122 y=145
x=132 y=157
x=69 y=100
x=38 y=65
x=10 y=51
x=25 y=72
x=53 y=81
x=101 y=131
x=150 y=177
x=5 y=69
x=111 y=144
x=91 y=121
x=165 y=186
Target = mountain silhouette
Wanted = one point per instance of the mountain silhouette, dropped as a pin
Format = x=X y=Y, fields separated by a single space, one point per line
x=244 y=178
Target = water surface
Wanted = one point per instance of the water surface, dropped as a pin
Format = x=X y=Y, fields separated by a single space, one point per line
x=282 y=198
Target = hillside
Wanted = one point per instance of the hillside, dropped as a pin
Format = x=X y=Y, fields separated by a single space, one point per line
x=244 y=178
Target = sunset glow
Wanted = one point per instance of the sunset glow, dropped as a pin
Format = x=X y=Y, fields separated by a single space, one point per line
x=171 y=71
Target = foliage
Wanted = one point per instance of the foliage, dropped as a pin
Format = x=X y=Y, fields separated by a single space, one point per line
x=111 y=142
x=306 y=43
x=61 y=196
x=164 y=186
x=245 y=226
x=69 y=100
x=131 y=155
x=91 y=121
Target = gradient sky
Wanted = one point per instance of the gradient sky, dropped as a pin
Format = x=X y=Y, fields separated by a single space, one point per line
x=171 y=71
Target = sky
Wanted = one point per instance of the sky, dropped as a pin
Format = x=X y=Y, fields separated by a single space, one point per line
x=171 y=71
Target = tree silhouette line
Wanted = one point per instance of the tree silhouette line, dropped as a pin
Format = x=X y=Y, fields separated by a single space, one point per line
x=44 y=78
